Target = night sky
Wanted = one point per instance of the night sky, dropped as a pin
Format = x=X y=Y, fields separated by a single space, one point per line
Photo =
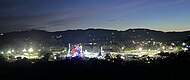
x=60 y=15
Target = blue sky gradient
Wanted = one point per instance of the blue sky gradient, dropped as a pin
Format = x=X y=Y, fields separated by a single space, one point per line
x=59 y=15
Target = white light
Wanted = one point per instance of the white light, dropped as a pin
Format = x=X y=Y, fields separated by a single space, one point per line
x=133 y=42
x=26 y=54
x=183 y=44
x=140 y=49
x=9 y=52
x=163 y=47
x=13 y=50
x=30 y=50
x=87 y=54
x=172 y=44
x=122 y=57
x=54 y=57
x=24 y=50
x=171 y=47
x=123 y=47
x=154 y=43
x=2 y=52
x=185 y=49
x=158 y=51
x=1 y=34
x=39 y=49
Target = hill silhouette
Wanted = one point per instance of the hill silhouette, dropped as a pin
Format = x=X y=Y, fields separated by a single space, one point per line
x=100 y=36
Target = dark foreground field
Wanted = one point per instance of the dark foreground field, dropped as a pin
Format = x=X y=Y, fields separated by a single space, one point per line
x=172 y=68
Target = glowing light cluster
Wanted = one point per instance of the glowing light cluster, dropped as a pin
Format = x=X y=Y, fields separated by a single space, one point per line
x=30 y=50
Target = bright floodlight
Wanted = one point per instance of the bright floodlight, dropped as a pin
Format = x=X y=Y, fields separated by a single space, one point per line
x=140 y=49
x=30 y=50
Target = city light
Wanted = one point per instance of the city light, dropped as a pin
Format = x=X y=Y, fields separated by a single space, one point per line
x=158 y=51
x=87 y=54
x=185 y=49
x=140 y=49
x=24 y=50
x=13 y=51
x=173 y=44
x=95 y=39
x=183 y=44
x=123 y=47
x=30 y=50
x=145 y=48
x=9 y=52
x=171 y=47
x=163 y=47
x=39 y=50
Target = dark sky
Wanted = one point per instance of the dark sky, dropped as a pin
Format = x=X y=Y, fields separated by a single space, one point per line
x=59 y=15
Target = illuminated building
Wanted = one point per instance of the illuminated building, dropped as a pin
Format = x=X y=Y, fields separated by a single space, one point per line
x=75 y=51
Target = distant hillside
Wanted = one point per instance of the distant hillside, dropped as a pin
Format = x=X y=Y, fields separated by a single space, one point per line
x=101 y=36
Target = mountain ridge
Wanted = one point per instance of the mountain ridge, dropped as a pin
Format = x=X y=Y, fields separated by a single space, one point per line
x=100 y=36
x=99 y=29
